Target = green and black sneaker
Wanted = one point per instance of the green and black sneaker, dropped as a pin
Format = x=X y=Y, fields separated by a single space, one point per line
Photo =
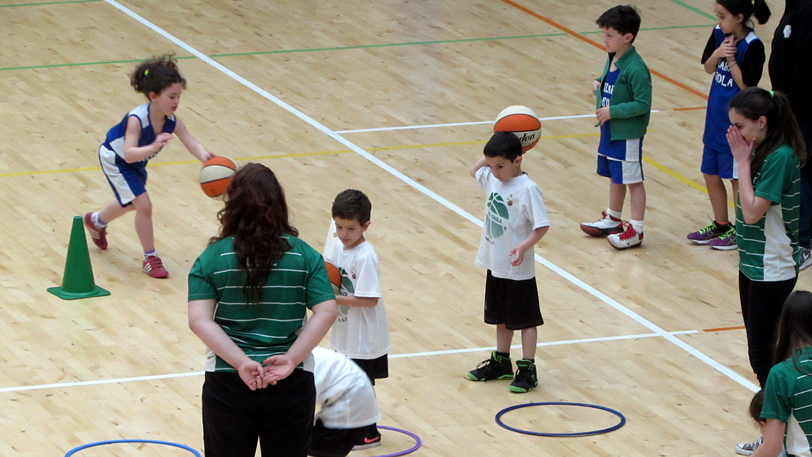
x=497 y=367
x=526 y=378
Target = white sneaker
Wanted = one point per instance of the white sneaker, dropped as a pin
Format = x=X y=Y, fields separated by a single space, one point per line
x=605 y=226
x=806 y=258
x=627 y=239
x=749 y=448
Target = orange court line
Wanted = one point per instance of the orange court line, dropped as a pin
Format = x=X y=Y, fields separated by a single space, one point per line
x=689 y=109
x=597 y=45
x=722 y=329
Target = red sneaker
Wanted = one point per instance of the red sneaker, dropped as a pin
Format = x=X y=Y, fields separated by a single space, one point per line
x=99 y=236
x=606 y=225
x=154 y=267
x=627 y=239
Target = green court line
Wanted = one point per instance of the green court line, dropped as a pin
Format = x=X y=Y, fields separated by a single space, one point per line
x=49 y=3
x=339 y=48
x=695 y=10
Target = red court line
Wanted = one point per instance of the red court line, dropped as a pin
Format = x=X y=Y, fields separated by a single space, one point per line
x=599 y=46
x=689 y=109
x=722 y=329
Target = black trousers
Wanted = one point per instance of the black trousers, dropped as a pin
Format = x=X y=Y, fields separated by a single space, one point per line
x=280 y=416
x=762 y=303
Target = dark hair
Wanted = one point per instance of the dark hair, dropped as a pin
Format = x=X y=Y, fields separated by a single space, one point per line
x=623 y=18
x=754 y=102
x=352 y=204
x=756 y=405
x=503 y=144
x=747 y=8
x=256 y=215
x=794 y=328
x=156 y=74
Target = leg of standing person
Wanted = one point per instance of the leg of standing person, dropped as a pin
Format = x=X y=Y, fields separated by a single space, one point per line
x=761 y=304
x=286 y=416
x=229 y=427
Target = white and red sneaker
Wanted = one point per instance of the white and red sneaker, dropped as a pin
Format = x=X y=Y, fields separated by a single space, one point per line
x=153 y=267
x=99 y=236
x=628 y=239
x=605 y=226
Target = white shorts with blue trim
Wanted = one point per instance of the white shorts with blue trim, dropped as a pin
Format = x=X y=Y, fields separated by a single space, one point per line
x=127 y=180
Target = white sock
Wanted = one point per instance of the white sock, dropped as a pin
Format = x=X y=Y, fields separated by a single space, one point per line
x=637 y=225
x=97 y=221
x=614 y=214
x=151 y=253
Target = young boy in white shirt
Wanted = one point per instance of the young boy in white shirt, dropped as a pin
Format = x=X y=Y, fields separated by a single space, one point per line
x=515 y=220
x=361 y=330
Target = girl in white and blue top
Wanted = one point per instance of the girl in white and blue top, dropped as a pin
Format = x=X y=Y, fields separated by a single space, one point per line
x=128 y=147
x=734 y=55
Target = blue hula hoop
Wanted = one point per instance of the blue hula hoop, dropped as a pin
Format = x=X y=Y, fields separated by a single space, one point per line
x=417 y=445
x=594 y=432
x=100 y=443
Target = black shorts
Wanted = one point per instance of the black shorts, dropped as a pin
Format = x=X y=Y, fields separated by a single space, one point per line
x=334 y=442
x=513 y=303
x=374 y=368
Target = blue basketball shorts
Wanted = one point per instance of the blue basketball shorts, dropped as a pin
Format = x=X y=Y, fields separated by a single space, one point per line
x=719 y=163
x=620 y=171
x=127 y=180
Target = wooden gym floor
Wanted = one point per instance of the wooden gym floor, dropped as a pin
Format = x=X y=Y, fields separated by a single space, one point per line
x=393 y=98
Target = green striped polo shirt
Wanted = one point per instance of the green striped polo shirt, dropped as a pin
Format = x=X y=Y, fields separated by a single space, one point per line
x=297 y=282
x=768 y=249
x=788 y=398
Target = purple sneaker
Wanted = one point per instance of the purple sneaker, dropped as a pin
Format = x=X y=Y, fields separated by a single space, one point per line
x=707 y=233
x=726 y=242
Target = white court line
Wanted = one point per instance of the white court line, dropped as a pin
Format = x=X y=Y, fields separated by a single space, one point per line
x=587 y=288
x=395 y=356
x=460 y=124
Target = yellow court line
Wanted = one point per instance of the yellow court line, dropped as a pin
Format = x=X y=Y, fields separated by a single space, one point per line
x=647 y=160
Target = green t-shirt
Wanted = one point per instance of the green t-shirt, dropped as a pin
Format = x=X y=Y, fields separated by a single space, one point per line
x=768 y=249
x=788 y=398
x=297 y=281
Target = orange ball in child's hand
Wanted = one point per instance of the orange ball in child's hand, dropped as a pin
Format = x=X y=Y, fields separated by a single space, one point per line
x=335 y=276
x=216 y=174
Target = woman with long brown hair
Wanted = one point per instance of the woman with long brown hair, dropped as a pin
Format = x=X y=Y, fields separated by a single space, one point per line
x=248 y=296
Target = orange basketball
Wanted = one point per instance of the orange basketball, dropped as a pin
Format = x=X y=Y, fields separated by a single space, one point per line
x=216 y=174
x=335 y=276
x=521 y=121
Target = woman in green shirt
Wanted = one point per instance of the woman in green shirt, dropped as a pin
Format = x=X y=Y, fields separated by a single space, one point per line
x=248 y=295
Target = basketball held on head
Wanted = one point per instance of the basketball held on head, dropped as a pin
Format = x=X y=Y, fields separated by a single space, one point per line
x=216 y=174
x=522 y=122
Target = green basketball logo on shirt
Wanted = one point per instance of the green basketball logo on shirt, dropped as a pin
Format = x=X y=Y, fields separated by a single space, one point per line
x=496 y=217
x=346 y=288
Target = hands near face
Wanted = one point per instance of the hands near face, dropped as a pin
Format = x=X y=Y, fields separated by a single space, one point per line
x=739 y=146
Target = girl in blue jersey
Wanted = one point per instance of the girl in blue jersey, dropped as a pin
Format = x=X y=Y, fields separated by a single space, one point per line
x=140 y=136
x=735 y=56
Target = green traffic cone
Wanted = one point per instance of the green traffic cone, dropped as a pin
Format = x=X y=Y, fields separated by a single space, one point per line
x=77 y=282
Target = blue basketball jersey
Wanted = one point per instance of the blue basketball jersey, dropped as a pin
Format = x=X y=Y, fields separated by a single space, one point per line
x=723 y=89
x=115 y=137
x=629 y=150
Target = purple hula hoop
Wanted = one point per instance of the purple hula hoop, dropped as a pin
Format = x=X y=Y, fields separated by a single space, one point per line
x=417 y=445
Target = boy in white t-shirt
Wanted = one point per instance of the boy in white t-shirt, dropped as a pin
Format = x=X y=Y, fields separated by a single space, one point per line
x=361 y=331
x=515 y=220
x=346 y=402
